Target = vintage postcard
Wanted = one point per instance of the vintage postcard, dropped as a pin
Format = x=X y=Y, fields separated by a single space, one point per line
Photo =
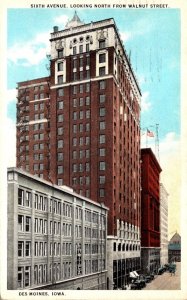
x=93 y=135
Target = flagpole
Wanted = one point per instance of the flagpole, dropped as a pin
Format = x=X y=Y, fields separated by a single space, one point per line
x=146 y=139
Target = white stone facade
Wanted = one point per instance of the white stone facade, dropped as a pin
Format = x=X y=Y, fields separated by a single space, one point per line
x=56 y=238
x=163 y=225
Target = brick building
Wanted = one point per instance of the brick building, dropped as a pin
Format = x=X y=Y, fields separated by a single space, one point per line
x=81 y=127
x=56 y=238
x=150 y=211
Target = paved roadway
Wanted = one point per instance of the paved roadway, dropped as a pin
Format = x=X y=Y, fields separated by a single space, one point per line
x=166 y=281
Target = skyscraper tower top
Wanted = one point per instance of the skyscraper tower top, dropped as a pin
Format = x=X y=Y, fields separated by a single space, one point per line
x=74 y=22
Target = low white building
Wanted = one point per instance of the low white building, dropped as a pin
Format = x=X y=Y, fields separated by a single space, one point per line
x=56 y=238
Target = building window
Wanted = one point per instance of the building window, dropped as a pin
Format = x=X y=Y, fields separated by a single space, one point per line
x=87 y=100
x=60 y=66
x=74 y=89
x=81 y=62
x=60 y=53
x=81 y=169
x=35 y=167
x=35 y=97
x=81 y=115
x=102 y=84
x=20 y=197
x=60 y=169
x=60 y=105
x=87 y=87
x=87 y=47
x=87 y=114
x=60 y=130
x=35 y=106
x=101 y=192
x=87 y=167
x=87 y=180
x=60 y=79
x=74 y=50
x=74 y=141
x=102 y=125
x=87 y=140
x=102 y=165
x=102 y=58
x=41 y=166
x=101 y=98
x=41 y=156
x=74 y=154
x=102 y=44
x=81 y=49
x=41 y=136
x=101 y=71
x=81 y=153
x=41 y=146
x=74 y=76
x=87 y=126
x=102 y=112
x=87 y=153
x=60 y=118
x=74 y=168
x=81 y=88
x=60 y=182
x=20 y=223
x=41 y=116
x=28 y=199
x=102 y=139
x=74 y=102
x=27 y=248
x=60 y=143
x=42 y=96
x=80 y=127
x=20 y=277
x=20 y=248
x=102 y=179
x=81 y=141
x=81 y=101
x=41 y=106
x=87 y=74
x=74 y=63
x=35 y=147
x=27 y=224
x=74 y=128
x=60 y=92
x=35 y=127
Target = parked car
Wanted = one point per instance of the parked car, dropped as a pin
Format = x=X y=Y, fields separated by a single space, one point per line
x=148 y=278
x=140 y=282
x=161 y=270
x=152 y=276
x=134 y=286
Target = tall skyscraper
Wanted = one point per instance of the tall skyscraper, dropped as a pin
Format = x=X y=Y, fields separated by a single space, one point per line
x=80 y=127
x=163 y=225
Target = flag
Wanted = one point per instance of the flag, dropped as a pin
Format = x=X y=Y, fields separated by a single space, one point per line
x=150 y=133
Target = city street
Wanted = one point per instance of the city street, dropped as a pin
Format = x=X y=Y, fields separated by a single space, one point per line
x=166 y=281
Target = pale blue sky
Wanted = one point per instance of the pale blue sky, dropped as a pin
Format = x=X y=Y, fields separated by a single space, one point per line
x=151 y=38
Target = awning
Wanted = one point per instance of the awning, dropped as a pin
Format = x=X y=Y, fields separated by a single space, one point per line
x=132 y=275
x=136 y=273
